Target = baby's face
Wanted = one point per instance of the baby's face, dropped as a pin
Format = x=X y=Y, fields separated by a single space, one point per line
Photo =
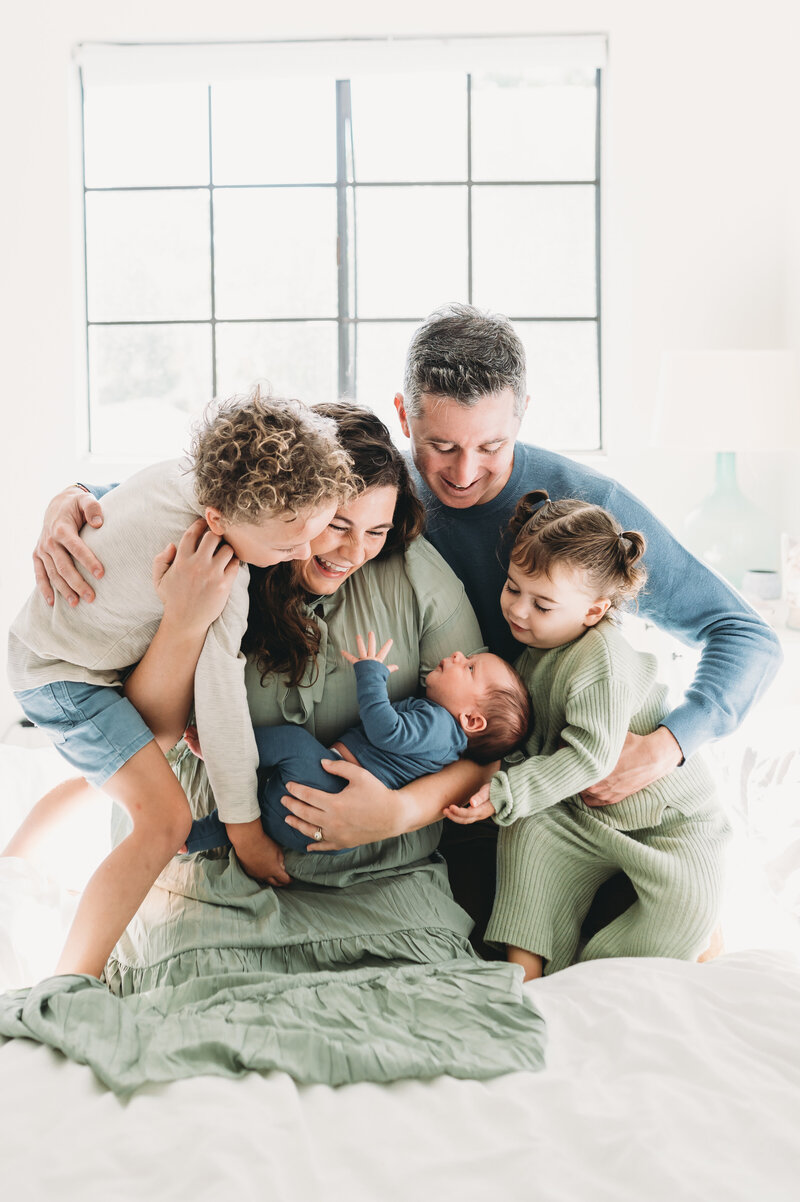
x=460 y=682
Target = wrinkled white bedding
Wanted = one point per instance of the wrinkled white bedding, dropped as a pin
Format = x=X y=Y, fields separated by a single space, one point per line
x=663 y=1081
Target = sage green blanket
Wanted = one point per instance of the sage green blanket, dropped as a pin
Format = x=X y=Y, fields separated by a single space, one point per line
x=361 y=973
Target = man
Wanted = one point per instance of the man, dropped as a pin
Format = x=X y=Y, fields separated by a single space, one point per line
x=464 y=400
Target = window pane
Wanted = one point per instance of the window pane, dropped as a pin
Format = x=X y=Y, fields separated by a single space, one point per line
x=275 y=252
x=411 y=249
x=534 y=250
x=144 y=135
x=295 y=359
x=148 y=255
x=380 y=358
x=148 y=384
x=410 y=127
x=564 y=409
x=280 y=132
x=539 y=128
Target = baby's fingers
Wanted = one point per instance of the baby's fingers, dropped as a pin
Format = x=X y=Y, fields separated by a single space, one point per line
x=384 y=651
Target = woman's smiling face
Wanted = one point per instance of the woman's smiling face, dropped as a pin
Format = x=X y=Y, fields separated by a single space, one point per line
x=356 y=533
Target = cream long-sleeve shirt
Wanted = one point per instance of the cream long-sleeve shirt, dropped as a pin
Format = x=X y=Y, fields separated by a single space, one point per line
x=96 y=643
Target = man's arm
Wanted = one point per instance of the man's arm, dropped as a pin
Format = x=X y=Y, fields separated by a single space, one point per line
x=367 y=811
x=740 y=653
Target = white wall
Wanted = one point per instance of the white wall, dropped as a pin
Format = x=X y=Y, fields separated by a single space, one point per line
x=701 y=238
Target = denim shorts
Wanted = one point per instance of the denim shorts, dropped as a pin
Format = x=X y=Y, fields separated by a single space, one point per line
x=94 y=727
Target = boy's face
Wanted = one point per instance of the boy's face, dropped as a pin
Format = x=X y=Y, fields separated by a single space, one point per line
x=464 y=453
x=460 y=682
x=274 y=538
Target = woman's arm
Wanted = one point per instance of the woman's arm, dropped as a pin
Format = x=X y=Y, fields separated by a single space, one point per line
x=193 y=581
x=367 y=811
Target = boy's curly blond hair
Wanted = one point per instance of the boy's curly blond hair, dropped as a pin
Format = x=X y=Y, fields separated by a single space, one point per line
x=260 y=454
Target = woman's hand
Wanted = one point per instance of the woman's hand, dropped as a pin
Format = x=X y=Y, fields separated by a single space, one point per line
x=60 y=547
x=364 y=812
x=195 y=579
x=477 y=808
x=369 y=651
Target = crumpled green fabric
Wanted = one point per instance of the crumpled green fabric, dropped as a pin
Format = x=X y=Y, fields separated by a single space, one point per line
x=369 y=1024
x=367 y=977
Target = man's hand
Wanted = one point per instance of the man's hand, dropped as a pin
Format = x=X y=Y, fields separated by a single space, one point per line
x=369 y=651
x=60 y=547
x=477 y=808
x=364 y=812
x=259 y=856
x=644 y=758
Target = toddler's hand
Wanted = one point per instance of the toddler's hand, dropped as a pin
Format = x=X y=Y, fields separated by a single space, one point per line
x=369 y=651
x=477 y=808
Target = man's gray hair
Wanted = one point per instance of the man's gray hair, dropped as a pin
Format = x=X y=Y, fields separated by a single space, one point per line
x=464 y=353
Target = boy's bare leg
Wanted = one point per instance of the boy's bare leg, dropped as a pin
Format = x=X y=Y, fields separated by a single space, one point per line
x=532 y=964
x=158 y=808
x=44 y=821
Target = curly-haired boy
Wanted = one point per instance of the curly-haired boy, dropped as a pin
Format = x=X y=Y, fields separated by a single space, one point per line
x=266 y=475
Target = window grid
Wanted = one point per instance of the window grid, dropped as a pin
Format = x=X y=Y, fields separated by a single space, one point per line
x=347 y=186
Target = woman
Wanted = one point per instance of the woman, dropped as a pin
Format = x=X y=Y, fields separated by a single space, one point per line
x=368 y=570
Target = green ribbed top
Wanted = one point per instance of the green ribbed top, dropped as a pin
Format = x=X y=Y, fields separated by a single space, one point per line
x=586 y=696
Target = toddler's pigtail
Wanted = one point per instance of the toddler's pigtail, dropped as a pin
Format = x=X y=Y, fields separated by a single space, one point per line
x=634 y=546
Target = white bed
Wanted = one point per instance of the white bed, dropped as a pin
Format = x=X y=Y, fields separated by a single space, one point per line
x=663 y=1080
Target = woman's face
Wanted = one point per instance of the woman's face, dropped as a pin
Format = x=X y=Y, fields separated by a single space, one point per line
x=355 y=534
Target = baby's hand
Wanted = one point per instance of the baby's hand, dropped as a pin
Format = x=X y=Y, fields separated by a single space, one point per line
x=369 y=651
x=477 y=808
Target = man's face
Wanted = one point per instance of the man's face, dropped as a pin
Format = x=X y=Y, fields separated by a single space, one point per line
x=463 y=453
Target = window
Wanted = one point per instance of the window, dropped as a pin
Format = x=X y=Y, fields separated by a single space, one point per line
x=290 y=212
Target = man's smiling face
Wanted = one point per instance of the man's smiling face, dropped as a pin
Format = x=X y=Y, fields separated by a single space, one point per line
x=464 y=453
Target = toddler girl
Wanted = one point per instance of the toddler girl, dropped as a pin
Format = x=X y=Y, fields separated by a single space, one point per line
x=571 y=568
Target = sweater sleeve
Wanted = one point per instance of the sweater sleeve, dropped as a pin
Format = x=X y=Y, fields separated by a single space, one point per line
x=740 y=654
x=418 y=728
x=595 y=725
x=223 y=720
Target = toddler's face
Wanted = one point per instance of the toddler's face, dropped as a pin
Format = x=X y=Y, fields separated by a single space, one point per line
x=549 y=611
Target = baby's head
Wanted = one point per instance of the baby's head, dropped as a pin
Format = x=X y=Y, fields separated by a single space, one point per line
x=570 y=564
x=269 y=475
x=488 y=700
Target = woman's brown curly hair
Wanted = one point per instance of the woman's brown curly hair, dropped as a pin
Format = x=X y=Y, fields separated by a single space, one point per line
x=281 y=637
x=261 y=454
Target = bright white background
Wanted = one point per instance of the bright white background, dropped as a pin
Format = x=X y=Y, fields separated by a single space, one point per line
x=701 y=238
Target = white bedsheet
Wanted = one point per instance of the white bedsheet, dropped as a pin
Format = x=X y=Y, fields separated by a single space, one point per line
x=663 y=1081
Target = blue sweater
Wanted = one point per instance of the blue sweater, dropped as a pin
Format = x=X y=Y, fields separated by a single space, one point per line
x=740 y=654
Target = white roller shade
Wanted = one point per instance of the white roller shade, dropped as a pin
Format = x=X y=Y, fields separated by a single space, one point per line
x=107 y=63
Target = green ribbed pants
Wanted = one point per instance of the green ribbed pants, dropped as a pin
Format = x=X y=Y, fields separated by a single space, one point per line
x=551 y=865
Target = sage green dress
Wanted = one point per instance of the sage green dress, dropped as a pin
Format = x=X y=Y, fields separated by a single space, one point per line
x=361 y=968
